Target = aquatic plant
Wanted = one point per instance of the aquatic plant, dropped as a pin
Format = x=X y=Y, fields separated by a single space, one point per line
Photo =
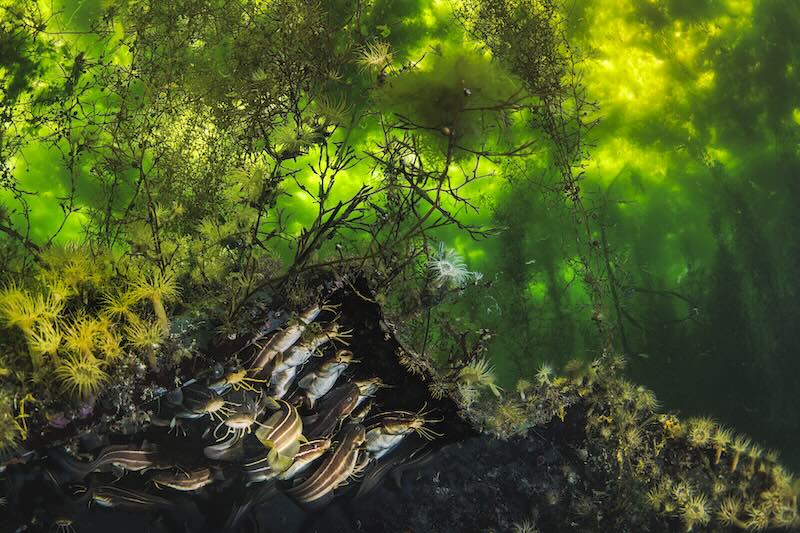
x=81 y=375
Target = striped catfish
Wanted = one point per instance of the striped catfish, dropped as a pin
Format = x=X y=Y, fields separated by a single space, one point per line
x=335 y=470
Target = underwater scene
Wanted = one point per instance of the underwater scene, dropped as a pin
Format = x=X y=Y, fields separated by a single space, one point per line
x=399 y=266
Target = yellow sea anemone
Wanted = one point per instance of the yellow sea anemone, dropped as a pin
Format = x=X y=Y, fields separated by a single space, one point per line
x=81 y=375
x=81 y=335
x=509 y=415
x=159 y=288
x=722 y=437
x=757 y=518
x=46 y=338
x=110 y=345
x=526 y=526
x=332 y=111
x=479 y=372
x=645 y=399
x=544 y=374
x=438 y=389
x=695 y=512
x=700 y=431
x=729 y=510
x=682 y=492
x=739 y=446
x=73 y=264
x=523 y=386
x=145 y=336
x=117 y=304
x=10 y=430
x=754 y=454
x=22 y=309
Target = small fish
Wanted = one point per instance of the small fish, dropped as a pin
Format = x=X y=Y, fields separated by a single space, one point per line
x=334 y=471
x=368 y=388
x=184 y=481
x=281 y=434
x=318 y=383
x=335 y=408
x=113 y=496
x=122 y=457
x=300 y=353
x=231 y=449
x=306 y=455
x=285 y=338
x=281 y=380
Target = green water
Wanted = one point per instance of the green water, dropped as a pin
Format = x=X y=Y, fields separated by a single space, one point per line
x=690 y=183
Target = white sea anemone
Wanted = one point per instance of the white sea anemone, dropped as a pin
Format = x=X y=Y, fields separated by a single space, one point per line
x=449 y=269
x=375 y=56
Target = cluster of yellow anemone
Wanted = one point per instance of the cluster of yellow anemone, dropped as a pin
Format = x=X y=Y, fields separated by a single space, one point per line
x=74 y=326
